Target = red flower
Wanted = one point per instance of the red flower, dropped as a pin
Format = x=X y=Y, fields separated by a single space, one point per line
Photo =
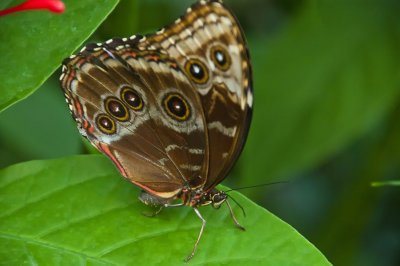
x=55 y=6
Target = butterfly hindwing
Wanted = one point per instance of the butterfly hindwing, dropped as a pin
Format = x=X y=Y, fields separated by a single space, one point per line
x=122 y=99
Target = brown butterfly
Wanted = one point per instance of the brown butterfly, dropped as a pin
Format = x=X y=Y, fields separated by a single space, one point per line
x=171 y=109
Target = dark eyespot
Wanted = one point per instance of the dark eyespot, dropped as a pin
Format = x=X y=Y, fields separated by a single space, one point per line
x=132 y=99
x=220 y=57
x=176 y=107
x=105 y=124
x=197 y=71
x=117 y=109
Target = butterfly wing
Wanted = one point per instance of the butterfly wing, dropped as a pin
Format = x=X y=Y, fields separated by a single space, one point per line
x=139 y=109
x=210 y=47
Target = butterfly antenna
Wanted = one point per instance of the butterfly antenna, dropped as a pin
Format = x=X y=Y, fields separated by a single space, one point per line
x=260 y=185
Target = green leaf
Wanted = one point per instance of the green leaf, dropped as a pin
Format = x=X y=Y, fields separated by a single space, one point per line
x=323 y=81
x=78 y=211
x=35 y=42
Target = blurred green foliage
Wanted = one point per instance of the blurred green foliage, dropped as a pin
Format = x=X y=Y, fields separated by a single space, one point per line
x=327 y=106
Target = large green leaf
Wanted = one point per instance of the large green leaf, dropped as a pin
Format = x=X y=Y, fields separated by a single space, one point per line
x=34 y=43
x=324 y=80
x=78 y=211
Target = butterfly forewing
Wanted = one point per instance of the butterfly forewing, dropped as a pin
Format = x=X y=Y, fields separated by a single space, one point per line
x=208 y=44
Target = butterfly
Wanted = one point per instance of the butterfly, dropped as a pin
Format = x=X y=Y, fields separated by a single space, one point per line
x=171 y=109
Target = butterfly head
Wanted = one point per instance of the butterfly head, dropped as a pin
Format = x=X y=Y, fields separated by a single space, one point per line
x=217 y=198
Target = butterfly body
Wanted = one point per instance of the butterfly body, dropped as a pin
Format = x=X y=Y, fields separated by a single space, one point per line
x=171 y=109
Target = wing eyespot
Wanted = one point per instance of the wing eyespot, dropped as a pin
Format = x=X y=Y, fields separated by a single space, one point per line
x=105 y=124
x=116 y=109
x=197 y=71
x=220 y=57
x=176 y=107
x=132 y=98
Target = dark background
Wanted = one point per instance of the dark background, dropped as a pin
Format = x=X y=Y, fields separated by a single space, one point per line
x=326 y=119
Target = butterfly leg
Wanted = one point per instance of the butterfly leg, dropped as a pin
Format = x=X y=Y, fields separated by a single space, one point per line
x=238 y=225
x=203 y=225
x=154 y=213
